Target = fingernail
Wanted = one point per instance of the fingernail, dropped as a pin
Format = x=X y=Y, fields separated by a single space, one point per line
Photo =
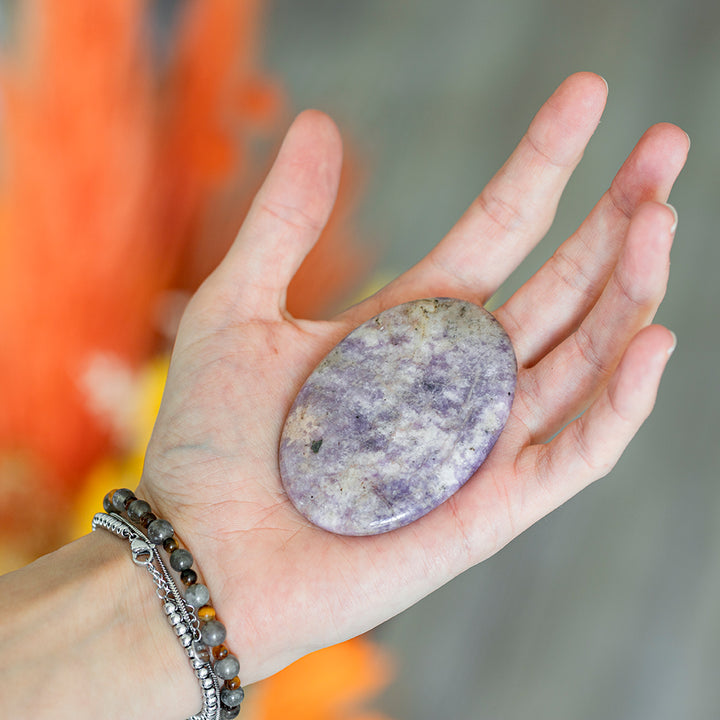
x=671 y=349
x=689 y=140
x=673 y=227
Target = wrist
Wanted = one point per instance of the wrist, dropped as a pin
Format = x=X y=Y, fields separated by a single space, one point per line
x=189 y=611
x=151 y=654
x=83 y=635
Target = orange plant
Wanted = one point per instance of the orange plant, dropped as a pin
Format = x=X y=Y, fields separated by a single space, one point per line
x=330 y=684
x=123 y=177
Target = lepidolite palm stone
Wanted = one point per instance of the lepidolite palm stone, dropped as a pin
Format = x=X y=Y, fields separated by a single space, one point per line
x=398 y=416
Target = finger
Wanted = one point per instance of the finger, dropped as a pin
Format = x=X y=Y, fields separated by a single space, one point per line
x=589 y=447
x=286 y=217
x=571 y=281
x=517 y=207
x=563 y=383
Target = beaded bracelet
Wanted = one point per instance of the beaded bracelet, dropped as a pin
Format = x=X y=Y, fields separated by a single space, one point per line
x=192 y=616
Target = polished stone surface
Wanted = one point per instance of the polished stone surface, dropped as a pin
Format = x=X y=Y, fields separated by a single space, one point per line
x=398 y=416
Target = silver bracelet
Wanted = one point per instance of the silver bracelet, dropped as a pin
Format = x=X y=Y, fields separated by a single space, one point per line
x=214 y=667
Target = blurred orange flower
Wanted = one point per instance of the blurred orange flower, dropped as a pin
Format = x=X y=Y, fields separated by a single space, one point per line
x=125 y=172
x=123 y=177
x=330 y=684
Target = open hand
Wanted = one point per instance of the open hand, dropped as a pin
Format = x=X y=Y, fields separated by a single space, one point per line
x=589 y=368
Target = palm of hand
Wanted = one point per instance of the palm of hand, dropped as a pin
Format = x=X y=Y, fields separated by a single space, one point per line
x=579 y=327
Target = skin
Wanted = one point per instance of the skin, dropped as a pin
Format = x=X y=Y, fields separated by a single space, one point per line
x=284 y=587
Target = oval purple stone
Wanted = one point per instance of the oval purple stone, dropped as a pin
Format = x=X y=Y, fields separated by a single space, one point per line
x=398 y=416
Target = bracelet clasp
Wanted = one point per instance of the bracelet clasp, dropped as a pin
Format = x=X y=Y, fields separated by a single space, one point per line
x=142 y=552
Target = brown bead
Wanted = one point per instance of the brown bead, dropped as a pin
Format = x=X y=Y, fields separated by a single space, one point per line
x=206 y=613
x=107 y=502
x=147 y=518
x=171 y=544
x=220 y=652
x=189 y=577
x=233 y=684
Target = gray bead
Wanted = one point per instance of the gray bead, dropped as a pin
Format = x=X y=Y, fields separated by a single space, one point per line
x=227 y=668
x=229 y=713
x=136 y=509
x=232 y=698
x=197 y=595
x=120 y=497
x=159 y=531
x=213 y=633
x=108 y=506
x=181 y=559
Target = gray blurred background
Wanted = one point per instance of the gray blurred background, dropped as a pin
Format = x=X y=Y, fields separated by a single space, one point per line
x=610 y=607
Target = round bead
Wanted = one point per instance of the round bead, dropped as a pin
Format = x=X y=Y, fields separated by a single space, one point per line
x=170 y=545
x=229 y=713
x=227 y=668
x=232 y=698
x=233 y=684
x=213 y=633
x=220 y=652
x=148 y=518
x=206 y=613
x=188 y=577
x=159 y=531
x=197 y=595
x=108 y=503
x=202 y=655
x=181 y=629
x=181 y=559
x=136 y=509
x=120 y=499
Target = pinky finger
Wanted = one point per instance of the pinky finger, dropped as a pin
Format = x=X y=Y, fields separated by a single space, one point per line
x=590 y=446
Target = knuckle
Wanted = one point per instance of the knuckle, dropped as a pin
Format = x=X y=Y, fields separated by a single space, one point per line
x=590 y=353
x=506 y=214
x=570 y=271
x=289 y=215
x=586 y=452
